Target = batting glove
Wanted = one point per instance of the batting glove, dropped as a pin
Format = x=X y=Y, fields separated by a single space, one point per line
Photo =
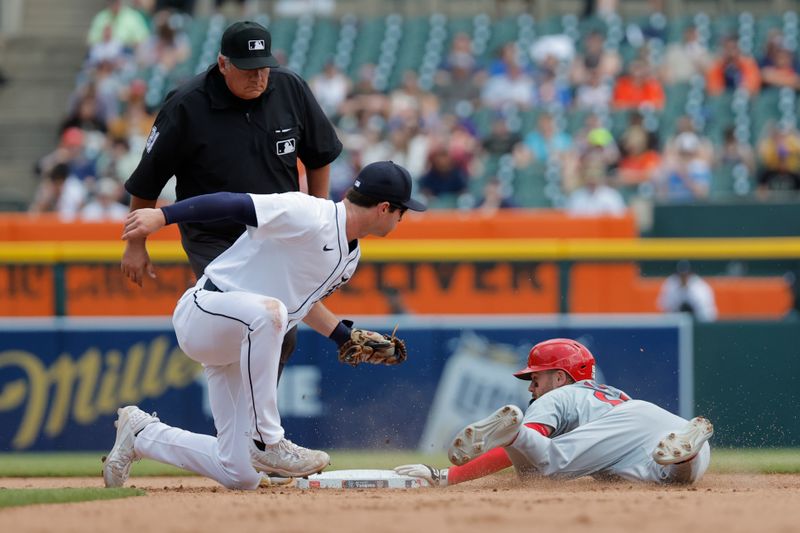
x=434 y=476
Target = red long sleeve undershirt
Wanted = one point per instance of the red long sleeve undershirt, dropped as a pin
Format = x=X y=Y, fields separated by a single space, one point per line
x=492 y=461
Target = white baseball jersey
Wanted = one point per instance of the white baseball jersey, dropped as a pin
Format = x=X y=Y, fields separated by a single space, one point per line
x=268 y=280
x=297 y=254
x=600 y=431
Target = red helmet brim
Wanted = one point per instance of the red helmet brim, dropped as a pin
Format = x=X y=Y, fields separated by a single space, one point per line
x=525 y=373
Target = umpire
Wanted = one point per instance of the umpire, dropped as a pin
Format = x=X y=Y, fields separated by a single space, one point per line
x=241 y=126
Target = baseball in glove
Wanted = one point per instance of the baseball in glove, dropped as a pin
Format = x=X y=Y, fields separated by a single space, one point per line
x=364 y=346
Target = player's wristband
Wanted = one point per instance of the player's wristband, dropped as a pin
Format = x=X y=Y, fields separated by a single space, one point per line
x=341 y=333
x=443 y=475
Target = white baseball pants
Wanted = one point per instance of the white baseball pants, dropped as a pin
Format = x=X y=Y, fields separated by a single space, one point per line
x=618 y=444
x=237 y=338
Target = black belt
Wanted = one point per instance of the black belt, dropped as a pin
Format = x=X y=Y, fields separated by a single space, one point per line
x=209 y=286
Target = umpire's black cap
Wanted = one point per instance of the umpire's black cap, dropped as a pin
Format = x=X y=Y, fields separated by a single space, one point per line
x=387 y=181
x=248 y=45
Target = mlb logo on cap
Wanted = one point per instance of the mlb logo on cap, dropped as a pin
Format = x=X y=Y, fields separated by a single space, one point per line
x=248 y=45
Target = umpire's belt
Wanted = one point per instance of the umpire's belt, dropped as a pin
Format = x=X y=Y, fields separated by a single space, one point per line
x=209 y=286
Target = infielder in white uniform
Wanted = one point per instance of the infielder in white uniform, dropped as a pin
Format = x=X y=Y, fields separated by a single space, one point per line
x=576 y=427
x=297 y=249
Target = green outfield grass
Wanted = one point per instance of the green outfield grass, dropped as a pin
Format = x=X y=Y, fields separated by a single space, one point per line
x=31 y=464
x=767 y=461
x=16 y=497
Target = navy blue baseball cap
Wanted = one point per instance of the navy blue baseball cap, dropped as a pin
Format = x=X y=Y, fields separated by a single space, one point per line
x=387 y=181
x=248 y=45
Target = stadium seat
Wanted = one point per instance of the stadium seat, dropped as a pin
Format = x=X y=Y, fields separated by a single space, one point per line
x=619 y=122
x=283 y=32
x=723 y=24
x=720 y=115
x=208 y=42
x=368 y=44
x=551 y=25
x=477 y=184
x=323 y=46
x=676 y=27
x=444 y=201
x=676 y=96
x=765 y=110
x=528 y=119
x=504 y=30
x=458 y=25
x=196 y=31
x=593 y=23
x=764 y=25
x=490 y=165
x=575 y=119
x=411 y=49
x=722 y=182
x=529 y=186
x=627 y=52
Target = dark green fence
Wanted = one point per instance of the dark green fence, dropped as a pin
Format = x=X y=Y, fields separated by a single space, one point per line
x=747 y=381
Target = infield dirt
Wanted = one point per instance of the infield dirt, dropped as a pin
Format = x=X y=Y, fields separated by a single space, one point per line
x=720 y=502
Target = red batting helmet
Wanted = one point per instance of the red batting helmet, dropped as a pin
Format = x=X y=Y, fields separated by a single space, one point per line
x=560 y=354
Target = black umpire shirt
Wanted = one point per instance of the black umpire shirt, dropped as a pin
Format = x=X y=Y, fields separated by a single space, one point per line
x=213 y=141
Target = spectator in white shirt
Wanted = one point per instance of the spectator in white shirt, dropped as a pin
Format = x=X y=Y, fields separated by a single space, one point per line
x=331 y=88
x=595 y=94
x=686 y=292
x=685 y=59
x=106 y=205
x=513 y=86
x=595 y=198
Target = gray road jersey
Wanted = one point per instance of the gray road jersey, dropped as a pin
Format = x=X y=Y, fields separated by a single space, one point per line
x=571 y=406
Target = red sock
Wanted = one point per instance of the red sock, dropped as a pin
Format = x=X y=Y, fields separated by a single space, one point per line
x=488 y=463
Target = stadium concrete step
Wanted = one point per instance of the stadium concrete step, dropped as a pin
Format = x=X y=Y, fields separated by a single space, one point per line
x=26 y=140
x=41 y=60
x=24 y=143
x=32 y=59
x=22 y=102
x=53 y=18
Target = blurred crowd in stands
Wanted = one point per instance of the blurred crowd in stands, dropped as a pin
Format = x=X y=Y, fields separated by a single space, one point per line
x=585 y=118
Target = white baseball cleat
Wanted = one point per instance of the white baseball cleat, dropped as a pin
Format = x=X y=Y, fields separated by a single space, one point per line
x=287 y=459
x=498 y=429
x=117 y=464
x=684 y=445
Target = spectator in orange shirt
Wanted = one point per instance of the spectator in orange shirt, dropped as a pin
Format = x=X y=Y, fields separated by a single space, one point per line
x=733 y=70
x=638 y=87
x=640 y=160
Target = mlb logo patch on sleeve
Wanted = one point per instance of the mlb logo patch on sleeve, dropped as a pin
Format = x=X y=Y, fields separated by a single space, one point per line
x=285 y=147
x=151 y=140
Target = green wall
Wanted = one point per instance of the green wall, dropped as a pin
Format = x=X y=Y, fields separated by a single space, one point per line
x=747 y=382
x=735 y=219
x=746 y=218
